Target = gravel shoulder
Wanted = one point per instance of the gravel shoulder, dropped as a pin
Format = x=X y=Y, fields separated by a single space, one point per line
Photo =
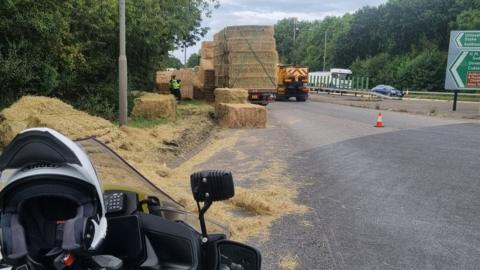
x=438 y=108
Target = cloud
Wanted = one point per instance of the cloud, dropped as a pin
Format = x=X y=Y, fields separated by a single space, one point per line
x=268 y=12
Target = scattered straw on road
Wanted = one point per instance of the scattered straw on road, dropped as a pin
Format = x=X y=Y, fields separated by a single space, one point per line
x=149 y=149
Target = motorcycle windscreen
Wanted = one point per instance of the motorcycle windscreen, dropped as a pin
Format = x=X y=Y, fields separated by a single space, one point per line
x=115 y=172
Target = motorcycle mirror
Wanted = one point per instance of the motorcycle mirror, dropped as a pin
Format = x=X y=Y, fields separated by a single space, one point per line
x=211 y=186
x=237 y=256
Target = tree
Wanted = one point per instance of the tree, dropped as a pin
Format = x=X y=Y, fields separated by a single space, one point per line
x=193 y=60
x=468 y=20
x=69 y=48
x=426 y=71
x=284 y=38
x=385 y=42
x=171 y=62
x=311 y=39
x=188 y=12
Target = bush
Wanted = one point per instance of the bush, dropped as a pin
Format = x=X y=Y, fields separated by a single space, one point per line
x=425 y=72
x=381 y=69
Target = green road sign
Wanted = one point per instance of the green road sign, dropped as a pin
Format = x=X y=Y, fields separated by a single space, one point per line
x=468 y=40
x=466 y=70
x=463 y=67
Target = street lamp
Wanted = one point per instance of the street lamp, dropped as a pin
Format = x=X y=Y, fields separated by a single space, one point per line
x=324 y=50
x=295 y=29
x=185 y=54
x=122 y=67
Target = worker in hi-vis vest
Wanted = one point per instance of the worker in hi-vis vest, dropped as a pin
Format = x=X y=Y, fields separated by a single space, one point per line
x=175 y=86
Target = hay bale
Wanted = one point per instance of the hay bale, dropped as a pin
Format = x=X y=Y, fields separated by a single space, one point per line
x=206 y=51
x=186 y=75
x=187 y=91
x=241 y=115
x=206 y=63
x=31 y=111
x=201 y=79
x=230 y=96
x=163 y=88
x=163 y=77
x=155 y=106
x=241 y=31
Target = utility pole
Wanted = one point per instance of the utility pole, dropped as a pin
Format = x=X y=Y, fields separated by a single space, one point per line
x=185 y=54
x=325 y=51
x=122 y=67
x=294 y=38
x=294 y=31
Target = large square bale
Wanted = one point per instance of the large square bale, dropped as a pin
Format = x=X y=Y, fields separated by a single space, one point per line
x=206 y=51
x=231 y=96
x=241 y=115
x=163 y=77
x=163 y=88
x=153 y=106
x=187 y=92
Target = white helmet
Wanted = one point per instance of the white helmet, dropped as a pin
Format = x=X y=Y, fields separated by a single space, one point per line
x=51 y=199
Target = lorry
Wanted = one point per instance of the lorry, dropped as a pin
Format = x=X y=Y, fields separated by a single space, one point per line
x=292 y=81
x=260 y=96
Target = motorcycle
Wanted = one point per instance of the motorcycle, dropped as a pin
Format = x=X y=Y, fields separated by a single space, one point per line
x=148 y=229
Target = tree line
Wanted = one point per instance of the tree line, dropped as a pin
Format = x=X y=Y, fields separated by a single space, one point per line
x=69 y=48
x=402 y=42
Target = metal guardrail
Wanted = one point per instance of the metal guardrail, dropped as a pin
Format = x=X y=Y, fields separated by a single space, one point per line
x=350 y=91
x=443 y=93
x=370 y=93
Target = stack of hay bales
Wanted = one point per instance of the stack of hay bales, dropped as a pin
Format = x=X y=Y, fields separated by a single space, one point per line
x=234 y=111
x=245 y=57
x=206 y=75
x=186 y=75
x=153 y=106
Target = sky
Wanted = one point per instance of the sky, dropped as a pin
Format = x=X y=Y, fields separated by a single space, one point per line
x=268 y=12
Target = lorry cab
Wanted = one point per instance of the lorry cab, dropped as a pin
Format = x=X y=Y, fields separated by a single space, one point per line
x=292 y=81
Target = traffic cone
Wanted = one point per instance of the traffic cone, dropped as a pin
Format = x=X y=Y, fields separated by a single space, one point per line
x=379 y=121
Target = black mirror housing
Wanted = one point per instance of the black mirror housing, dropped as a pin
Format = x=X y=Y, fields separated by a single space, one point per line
x=212 y=186
x=234 y=255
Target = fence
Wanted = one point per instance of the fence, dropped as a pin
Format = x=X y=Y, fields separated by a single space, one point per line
x=327 y=82
x=355 y=86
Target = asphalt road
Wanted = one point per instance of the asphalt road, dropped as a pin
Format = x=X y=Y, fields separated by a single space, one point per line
x=406 y=196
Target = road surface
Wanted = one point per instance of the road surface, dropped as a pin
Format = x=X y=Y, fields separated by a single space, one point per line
x=406 y=196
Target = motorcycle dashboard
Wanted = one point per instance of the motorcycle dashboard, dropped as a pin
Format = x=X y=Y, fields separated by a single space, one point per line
x=125 y=240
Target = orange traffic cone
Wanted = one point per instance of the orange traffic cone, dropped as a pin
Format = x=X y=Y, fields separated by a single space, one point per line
x=379 y=121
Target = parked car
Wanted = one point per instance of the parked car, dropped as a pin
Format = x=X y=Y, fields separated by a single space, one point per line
x=387 y=90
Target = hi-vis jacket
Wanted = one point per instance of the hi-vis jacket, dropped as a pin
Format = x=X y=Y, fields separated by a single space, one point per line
x=175 y=84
